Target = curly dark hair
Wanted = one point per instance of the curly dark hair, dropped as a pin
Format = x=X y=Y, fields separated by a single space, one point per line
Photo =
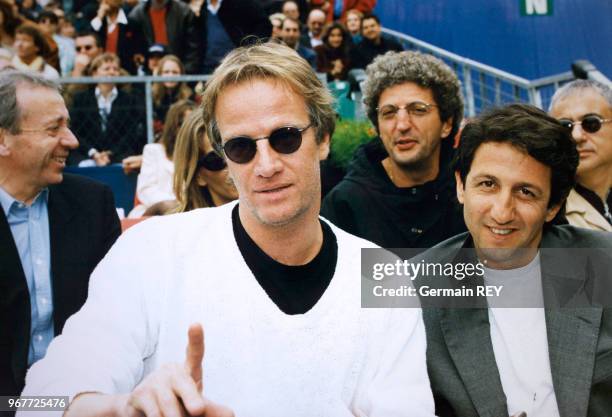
x=532 y=131
x=425 y=70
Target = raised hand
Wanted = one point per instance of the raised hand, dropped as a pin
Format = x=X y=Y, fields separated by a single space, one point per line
x=174 y=390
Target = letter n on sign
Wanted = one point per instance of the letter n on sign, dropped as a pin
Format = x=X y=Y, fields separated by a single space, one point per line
x=536 y=7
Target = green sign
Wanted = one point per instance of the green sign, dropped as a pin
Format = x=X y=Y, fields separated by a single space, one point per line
x=536 y=7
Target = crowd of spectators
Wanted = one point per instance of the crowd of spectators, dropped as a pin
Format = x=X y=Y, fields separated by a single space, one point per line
x=167 y=38
x=508 y=181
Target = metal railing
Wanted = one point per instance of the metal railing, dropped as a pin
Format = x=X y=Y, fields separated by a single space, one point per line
x=485 y=86
x=135 y=80
x=148 y=82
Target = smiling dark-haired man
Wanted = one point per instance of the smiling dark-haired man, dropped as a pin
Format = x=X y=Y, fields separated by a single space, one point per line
x=549 y=354
x=399 y=190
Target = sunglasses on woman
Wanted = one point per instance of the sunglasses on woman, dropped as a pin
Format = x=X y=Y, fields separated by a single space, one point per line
x=285 y=140
x=212 y=162
x=590 y=124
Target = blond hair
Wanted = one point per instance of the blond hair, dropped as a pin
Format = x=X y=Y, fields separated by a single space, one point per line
x=187 y=151
x=103 y=59
x=158 y=90
x=269 y=61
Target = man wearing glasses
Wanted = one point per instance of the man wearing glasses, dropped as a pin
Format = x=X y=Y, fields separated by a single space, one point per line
x=399 y=191
x=54 y=227
x=87 y=46
x=274 y=287
x=585 y=107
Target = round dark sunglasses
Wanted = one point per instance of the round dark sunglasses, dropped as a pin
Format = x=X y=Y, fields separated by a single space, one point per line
x=285 y=140
x=590 y=124
x=212 y=162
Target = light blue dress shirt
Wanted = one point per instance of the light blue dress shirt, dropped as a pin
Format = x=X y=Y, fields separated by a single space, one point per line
x=30 y=228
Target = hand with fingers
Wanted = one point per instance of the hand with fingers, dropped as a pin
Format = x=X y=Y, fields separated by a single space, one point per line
x=131 y=163
x=102 y=158
x=175 y=390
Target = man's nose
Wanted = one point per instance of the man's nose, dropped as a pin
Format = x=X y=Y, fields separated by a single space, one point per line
x=69 y=140
x=403 y=119
x=578 y=132
x=502 y=211
x=267 y=160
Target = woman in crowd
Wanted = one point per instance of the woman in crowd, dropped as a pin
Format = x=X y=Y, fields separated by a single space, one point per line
x=30 y=48
x=333 y=54
x=200 y=175
x=157 y=171
x=353 y=24
x=168 y=93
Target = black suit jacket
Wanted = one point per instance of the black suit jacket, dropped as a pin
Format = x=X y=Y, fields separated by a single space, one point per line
x=185 y=38
x=241 y=19
x=83 y=225
x=131 y=41
x=124 y=134
x=461 y=362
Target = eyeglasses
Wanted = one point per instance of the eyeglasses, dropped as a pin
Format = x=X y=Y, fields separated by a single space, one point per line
x=283 y=140
x=212 y=162
x=83 y=48
x=590 y=124
x=416 y=108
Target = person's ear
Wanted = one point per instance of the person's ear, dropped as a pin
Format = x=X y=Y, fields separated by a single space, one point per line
x=201 y=178
x=4 y=149
x=324 y=148
x=552 y=212
x=447 y=127
x=460 y=187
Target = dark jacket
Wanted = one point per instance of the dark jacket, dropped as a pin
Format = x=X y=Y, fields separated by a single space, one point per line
x=462 y=368
x=308 y=54
x=131 y=42
x=325 y=61
x=124 y=134
x=363 y=53
x=185 y=38
x=241 y=19
x=83 y=225
x=367 y=204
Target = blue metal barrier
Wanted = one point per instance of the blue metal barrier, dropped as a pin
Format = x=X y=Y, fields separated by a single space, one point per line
x=123 y=186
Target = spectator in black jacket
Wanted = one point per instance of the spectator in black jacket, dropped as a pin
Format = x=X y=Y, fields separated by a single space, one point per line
x=173 y=24
x=374 y=43
x=109 y=122
x=333 y=54
x=231 y=23
x=399 y=191
x=118 y=34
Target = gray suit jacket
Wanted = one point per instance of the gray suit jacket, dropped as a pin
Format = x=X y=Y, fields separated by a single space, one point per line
x=461 y=363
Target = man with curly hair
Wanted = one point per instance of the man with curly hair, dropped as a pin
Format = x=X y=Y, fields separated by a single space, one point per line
x=399 y=191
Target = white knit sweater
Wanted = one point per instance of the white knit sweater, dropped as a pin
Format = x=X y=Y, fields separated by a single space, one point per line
x=166 y=273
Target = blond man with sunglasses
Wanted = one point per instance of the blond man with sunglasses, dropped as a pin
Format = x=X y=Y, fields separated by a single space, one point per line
x=275 y=287
x=585 y=107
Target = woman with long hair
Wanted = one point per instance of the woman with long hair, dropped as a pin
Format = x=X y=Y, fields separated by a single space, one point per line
x=165 y=94
x=157 y=171
x=333 y=54
x=200 y=175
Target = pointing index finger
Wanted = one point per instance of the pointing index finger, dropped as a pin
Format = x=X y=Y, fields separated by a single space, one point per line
x=195 y=353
